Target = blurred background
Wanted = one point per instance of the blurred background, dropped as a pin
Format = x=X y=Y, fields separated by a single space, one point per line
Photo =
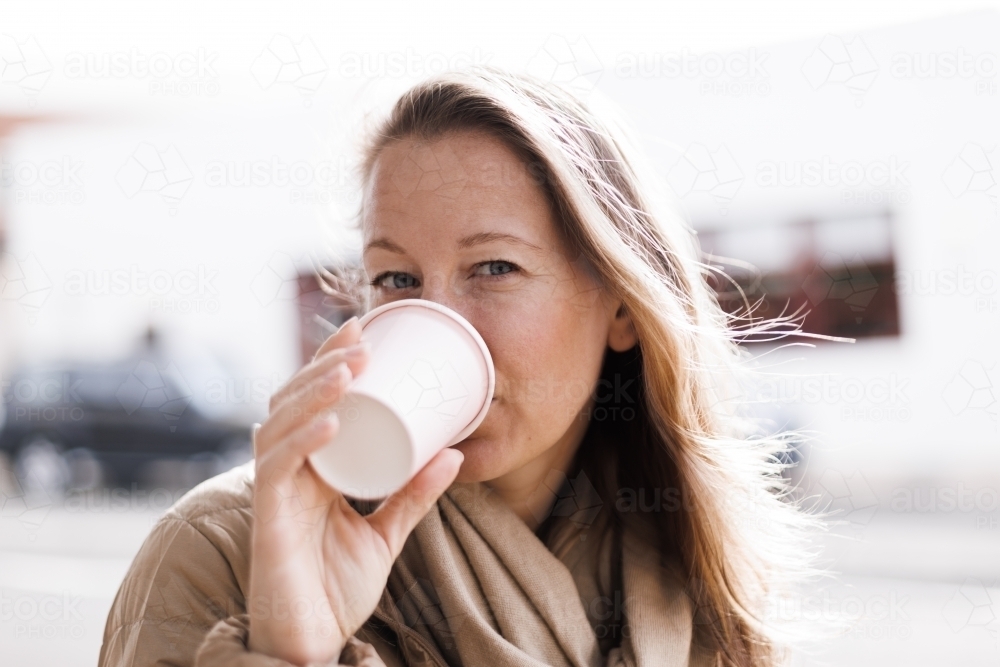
x=173 y=176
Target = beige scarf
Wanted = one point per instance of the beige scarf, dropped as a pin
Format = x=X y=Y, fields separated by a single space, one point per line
x=480 y=588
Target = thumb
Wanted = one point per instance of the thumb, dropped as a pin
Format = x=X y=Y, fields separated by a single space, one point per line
x=400 y=513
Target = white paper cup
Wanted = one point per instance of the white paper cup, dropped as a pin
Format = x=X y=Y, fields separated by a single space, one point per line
x=428 y=384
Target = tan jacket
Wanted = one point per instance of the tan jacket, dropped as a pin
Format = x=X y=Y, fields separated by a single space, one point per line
x=183 y=601
x=185 y=591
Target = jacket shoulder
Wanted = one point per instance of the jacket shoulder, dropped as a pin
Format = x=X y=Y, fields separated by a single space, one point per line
x=232 y=490
x=221 y=510
x=191 y=571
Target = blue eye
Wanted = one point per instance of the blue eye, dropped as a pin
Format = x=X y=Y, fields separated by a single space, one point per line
x=399 y=280
x=498 y=267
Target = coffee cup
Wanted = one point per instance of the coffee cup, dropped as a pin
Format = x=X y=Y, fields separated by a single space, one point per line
x=428 y=385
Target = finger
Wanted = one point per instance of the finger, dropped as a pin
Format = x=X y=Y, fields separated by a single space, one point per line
x=291 y=452
x=324 y=392
x=399 y=514
x=276 y=473
x=348 y=333
x=309 y=377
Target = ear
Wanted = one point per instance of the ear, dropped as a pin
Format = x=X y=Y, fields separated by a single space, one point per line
x=622 y=335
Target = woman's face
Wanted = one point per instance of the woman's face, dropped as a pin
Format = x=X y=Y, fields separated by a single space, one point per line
x=460 y=220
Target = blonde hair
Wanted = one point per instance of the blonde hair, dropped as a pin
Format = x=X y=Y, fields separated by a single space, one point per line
x=737 y=537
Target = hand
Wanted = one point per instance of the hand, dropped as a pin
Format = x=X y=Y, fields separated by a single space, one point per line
x=317 y=567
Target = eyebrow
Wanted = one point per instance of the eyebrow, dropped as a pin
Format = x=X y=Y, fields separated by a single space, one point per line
x=464 y=243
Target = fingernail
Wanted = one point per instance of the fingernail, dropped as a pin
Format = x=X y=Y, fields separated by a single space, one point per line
x=323 y=423
x=340 y=373
x=358 y=350
x=346 y=322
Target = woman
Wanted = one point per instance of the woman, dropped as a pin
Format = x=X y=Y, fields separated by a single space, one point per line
x=612 y=508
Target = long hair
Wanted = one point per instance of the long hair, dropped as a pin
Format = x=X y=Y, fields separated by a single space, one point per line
x=681 y=446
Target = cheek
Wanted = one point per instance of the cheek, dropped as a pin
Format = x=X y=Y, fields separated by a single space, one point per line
x=546 y=355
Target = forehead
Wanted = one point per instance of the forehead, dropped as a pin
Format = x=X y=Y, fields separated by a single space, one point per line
x=452 y=183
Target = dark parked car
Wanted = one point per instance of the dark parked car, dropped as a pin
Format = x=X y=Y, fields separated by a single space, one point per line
x=62 y=424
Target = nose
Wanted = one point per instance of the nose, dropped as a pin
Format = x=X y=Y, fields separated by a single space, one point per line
x=440 y=292
x=437 y=289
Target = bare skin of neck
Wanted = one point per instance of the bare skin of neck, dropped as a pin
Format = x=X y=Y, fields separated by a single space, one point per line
x=523 y=489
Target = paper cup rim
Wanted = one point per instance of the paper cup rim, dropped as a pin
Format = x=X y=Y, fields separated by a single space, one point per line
x=365 y=319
